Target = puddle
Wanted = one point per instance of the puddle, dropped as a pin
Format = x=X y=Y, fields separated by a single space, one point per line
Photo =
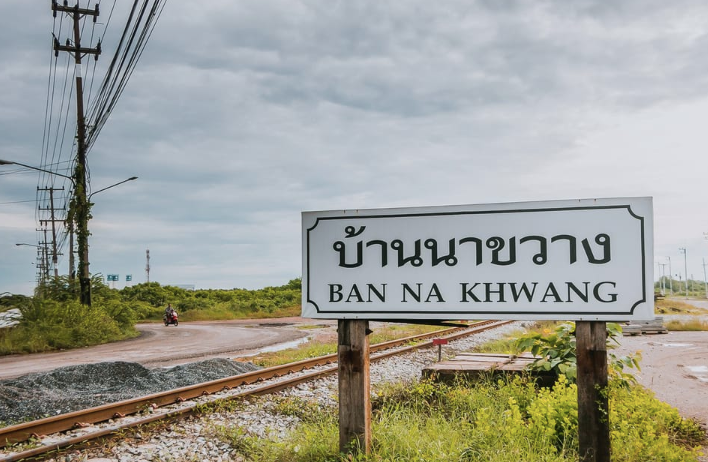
x=279 y=346
x=676 y=345
x=697 y=369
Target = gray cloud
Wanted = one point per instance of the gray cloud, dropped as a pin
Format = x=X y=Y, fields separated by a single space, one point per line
x=241 y=115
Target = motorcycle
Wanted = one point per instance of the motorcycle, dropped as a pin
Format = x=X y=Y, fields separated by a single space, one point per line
x=171 y=319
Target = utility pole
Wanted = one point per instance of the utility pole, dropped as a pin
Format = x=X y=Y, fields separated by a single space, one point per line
x=80 y=186
x=41 y=258
x=72 y=273
x=685 y=267
x=671 y=280
x=705 y=280
x=147 y=265
x=663 y=279
x=55 y=259
x=45 y=256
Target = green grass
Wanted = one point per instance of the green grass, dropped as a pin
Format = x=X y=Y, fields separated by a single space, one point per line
x=50 y=325
x=396 y=331
x=224 y=313
x=306 y=351
x=690 y=325
x=675 y=306
x=315 y=348
x=478 y=421
x=311 y=326
x=506 y=345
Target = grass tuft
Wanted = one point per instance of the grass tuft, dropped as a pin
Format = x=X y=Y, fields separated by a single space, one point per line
x=675 y=306
x=690 y=325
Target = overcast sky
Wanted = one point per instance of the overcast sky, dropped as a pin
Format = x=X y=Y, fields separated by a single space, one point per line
x=242 y=114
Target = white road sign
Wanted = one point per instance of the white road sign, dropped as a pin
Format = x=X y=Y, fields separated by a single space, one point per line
x=566 y=260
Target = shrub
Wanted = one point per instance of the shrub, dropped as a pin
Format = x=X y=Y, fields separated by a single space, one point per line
x=48 y=325
x=557 y=352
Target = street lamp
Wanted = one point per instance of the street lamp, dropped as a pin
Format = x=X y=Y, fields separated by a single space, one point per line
x=11 y=162
x=82 y=219
x=685 y=267
x=112 y=186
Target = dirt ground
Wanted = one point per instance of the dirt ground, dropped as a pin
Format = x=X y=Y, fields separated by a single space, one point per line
x=160 y=346
x=675 y=367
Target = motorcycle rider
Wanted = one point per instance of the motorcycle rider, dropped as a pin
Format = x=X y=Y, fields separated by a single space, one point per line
x=169 y=312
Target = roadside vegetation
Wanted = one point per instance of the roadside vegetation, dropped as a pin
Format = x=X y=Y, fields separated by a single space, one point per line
x=696 y=288
x=320 y=346
x=676 y=306
x=687 y=325
x=54 y=319
x=499 y=420
x=508 y=419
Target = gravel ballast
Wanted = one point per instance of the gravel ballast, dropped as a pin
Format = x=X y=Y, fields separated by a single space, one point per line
x=73 y=388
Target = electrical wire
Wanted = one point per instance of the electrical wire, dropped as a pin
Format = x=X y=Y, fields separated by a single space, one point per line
x=56 y=156
x=126 y=57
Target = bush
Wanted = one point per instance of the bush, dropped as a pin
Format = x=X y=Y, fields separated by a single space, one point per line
x=50 y=325
x=557 y=353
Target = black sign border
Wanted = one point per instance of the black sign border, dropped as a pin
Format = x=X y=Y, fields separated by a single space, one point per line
x=485 y=313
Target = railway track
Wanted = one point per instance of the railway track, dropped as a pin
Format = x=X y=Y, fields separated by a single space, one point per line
x=131 y=413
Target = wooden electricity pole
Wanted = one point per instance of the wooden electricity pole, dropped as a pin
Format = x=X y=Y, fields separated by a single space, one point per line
x=80 y=186
x=55 y=258
x=45 y=256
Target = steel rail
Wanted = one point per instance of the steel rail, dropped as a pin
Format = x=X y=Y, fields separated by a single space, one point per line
x=78 y=419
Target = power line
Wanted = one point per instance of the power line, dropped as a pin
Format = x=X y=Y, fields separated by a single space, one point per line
x=56 y=154
x=130 y=48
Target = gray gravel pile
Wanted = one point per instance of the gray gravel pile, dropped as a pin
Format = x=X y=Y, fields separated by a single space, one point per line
x=73 y=388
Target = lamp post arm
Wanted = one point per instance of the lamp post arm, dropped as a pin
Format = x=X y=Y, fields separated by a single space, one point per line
x=112 y=186
x=11 y=162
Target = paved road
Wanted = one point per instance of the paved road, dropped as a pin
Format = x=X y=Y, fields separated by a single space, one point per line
x=163 y=346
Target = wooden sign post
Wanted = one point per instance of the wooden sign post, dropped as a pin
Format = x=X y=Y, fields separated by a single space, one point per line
x=593 y=409
x=354 y=386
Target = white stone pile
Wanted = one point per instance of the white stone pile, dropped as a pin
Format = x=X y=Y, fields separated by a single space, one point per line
x=10 y=318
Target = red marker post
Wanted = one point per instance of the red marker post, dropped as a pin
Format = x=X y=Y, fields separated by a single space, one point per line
x=439 y=342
